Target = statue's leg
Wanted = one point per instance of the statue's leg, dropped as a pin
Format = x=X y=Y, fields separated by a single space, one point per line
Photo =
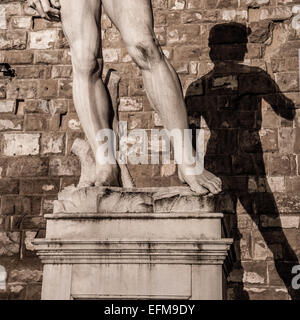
x=134 y=20
x=81 y=25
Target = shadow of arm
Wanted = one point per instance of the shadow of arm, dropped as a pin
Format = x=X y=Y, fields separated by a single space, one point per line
x=280 y=103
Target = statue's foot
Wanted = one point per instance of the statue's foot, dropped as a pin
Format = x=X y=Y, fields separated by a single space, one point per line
x=203 y=183
x=107 y=175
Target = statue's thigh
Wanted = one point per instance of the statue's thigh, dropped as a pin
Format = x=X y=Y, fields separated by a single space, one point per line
x=81 y=21
x=133 y=18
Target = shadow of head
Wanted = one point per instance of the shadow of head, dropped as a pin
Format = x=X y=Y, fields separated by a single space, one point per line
x=228 y=42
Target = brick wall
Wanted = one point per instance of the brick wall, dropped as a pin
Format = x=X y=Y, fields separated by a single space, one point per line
x=255 y=148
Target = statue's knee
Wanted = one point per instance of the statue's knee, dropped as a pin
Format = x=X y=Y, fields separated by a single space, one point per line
x=86 y=67
x=84 y=62
x=145 y=53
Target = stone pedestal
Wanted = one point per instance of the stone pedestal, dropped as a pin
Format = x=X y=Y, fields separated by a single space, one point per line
x=113 y=243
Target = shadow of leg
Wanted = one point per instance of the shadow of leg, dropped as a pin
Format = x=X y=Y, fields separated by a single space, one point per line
x=240 y=249
x=236 y=277
x=265 y=214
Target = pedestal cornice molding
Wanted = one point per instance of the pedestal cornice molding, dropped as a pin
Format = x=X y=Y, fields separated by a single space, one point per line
x=134 y=215
x=212 y=251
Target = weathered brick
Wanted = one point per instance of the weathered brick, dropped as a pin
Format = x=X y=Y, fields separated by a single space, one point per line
x=10 y=124
x=177 y=4
x=287 y=202
x=47 y=57
x=269 y=139
x=9 y=243
x=44 y=39
x=275 y=13
x=69 y=166
x=280 y=165
x=35 y=106
x=130 y=104
x=21 y=22
x=179 y=34
x=39 y=186
x=195 y=4
x=13 y=40
x=292 y=184
x=35 y=122
x=260 y=31
x=15 y=205
x=276 y=184
x=19 y=57
x=287 y=138
x=61 y=72
x=27 y=167
x=21 y=144
x=18 y=206
x=234 y=15
x=288 y=82
x=22 y=89
x=42 y=24
x=52 y=143
x=254 y=273
x=25 y=275
x=277 y=222
x=111 y=55
x=12 y=8
x=48 y=89
x=31 y=72
x=9 y=186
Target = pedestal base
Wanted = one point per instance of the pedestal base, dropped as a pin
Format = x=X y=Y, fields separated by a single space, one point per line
x=153 y=250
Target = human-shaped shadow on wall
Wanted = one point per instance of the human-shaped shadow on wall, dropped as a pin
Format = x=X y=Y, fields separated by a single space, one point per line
x=229 y=99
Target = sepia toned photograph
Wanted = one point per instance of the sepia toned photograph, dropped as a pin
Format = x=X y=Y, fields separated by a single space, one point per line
x=150 y=151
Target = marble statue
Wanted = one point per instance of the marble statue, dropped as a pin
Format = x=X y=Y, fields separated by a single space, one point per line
x=134 y=19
